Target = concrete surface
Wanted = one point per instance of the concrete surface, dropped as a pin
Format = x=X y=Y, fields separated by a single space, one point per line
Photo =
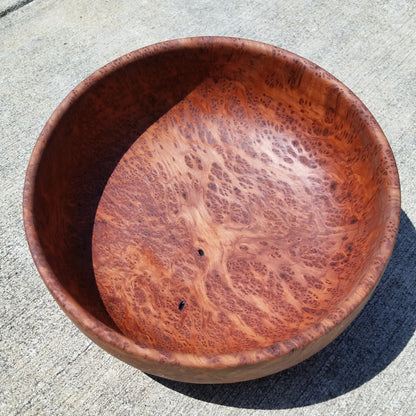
x=47 y=367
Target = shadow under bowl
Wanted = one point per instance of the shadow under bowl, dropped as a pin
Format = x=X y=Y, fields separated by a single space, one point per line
x=211 y=210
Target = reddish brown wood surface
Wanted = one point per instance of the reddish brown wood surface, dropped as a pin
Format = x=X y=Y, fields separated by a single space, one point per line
x=245 y=206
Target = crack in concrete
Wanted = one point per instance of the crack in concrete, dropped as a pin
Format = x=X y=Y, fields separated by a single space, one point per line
x=14 y=7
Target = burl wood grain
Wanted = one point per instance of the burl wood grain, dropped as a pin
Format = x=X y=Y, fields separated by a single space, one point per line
x=240 y=205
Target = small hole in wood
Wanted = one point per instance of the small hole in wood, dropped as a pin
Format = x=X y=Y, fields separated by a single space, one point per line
x=201 y=252
x=181 y=305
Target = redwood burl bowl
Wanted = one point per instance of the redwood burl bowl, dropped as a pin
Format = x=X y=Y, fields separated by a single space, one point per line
x=211 y=210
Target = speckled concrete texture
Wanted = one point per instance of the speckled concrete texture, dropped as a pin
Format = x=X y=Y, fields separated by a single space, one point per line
x=47 y=367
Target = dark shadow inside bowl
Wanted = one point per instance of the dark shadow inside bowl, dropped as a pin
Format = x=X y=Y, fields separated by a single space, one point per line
x=366 y=348
x=87 y=141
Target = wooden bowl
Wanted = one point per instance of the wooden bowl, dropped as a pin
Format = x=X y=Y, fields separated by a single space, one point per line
x=211 y=209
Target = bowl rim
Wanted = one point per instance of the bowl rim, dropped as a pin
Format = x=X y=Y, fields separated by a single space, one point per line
x=98 y=330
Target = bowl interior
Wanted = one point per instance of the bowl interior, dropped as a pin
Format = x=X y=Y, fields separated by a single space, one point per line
x=223 y=198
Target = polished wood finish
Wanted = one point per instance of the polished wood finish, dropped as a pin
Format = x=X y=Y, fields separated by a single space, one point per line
x=211 y=209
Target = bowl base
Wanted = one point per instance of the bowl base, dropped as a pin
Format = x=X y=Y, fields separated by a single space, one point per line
x=220 y=230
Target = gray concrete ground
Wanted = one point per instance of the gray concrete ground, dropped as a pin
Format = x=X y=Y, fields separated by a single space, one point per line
x=47 y=367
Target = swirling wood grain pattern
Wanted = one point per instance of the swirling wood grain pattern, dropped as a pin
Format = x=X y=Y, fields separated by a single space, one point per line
x=247 y=223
